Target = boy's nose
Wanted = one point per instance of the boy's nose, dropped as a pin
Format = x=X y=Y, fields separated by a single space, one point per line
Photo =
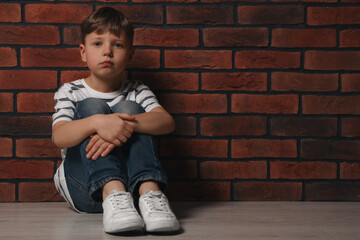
x=107 y=51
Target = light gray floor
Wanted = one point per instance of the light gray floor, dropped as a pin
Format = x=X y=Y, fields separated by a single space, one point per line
x=205 y=220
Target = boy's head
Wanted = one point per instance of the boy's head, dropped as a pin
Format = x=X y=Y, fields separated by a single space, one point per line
x=107 y=19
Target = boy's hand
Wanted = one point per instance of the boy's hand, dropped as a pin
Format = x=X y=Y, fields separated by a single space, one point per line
x=114 y=128
x=98 y=147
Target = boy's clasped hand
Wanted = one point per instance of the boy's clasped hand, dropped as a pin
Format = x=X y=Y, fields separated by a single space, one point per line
x=113 y=131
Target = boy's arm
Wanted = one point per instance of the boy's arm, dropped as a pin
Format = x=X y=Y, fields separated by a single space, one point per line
x=156 y=122
x=113 y=128
x=70 y=133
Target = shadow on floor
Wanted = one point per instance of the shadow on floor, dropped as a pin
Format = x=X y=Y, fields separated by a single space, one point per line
x=184 y=210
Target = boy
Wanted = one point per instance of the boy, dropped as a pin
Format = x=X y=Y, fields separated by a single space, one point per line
x=103 y=124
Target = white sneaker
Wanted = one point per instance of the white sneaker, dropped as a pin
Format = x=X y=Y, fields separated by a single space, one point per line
x=155 y=210
x=120 y=214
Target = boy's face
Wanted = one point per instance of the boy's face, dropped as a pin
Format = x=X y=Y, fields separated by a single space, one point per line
x=106 y=54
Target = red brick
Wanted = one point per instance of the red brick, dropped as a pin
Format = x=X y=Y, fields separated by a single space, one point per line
x=35 y=102
x=284 y=14
x=6 y=147
x=10 y=12
x=184 y=169
x=235 y=37
x=307 y=1
x=249 y=148
x=334 y=60
x=299 y=126
x=233 y=126
x=203 y=59
x=194 y=103
x=168 y=1
x=58 y=163
x=38 y=192
x=350 y=82
x=248 y=59
x=268 y=191
x=8 y=99
x=232 y=1
x=146 y=58
x=62 y=57
x=233 y=170
x=30 y=35
x=142 y=14
x=37 y=125
x=350 y=127
x=199 y=191
x=333 y=15
x=193 y=148
x=8 y=57
x=284 y=37
x=72 y=35
x=96 y=0
x=330 y=149
x=331 y=104
x=7 y=192
x=271 y=104
x=239 y=81
x=56 y=13
x=332 y=191
x=213 y=15
x=350 y=38
x=28 y=79
x=26 y=169
x=36 y=148
x=166 y=37
x=179 y=81
x=302 y=170
x=69 y=76
x=185 y=126
x=304 y=82
x=350 y=170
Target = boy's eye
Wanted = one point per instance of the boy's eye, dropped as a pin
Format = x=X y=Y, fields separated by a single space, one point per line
x=97 y=44
x=119 y=45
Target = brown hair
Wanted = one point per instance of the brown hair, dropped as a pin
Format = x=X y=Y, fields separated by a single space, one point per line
x=107 y=19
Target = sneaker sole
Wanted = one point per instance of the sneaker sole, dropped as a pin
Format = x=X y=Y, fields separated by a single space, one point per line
x=162 y=226
x=124 y=227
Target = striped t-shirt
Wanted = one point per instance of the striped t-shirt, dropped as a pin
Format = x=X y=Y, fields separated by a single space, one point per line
x=69 y=94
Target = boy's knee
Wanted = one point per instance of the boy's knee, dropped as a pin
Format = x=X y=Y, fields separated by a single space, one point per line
x=129 y=107
x=92 y=106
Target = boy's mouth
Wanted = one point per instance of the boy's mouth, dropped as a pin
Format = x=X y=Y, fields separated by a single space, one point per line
x=106 y=63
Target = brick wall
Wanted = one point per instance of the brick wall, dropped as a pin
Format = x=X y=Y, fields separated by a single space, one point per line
x=265 y=94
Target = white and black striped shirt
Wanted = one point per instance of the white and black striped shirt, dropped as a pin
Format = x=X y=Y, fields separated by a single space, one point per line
x=69 y=94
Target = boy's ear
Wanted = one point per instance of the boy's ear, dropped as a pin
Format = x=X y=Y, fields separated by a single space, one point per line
x=82 y=52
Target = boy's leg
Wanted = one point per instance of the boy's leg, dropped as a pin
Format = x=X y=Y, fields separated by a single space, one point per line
x=86 y=177
x=146 y=176
x=143 y=167
x=148 y=185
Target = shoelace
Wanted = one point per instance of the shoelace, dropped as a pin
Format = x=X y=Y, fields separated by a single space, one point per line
x=120 y=201
x=156 y=203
